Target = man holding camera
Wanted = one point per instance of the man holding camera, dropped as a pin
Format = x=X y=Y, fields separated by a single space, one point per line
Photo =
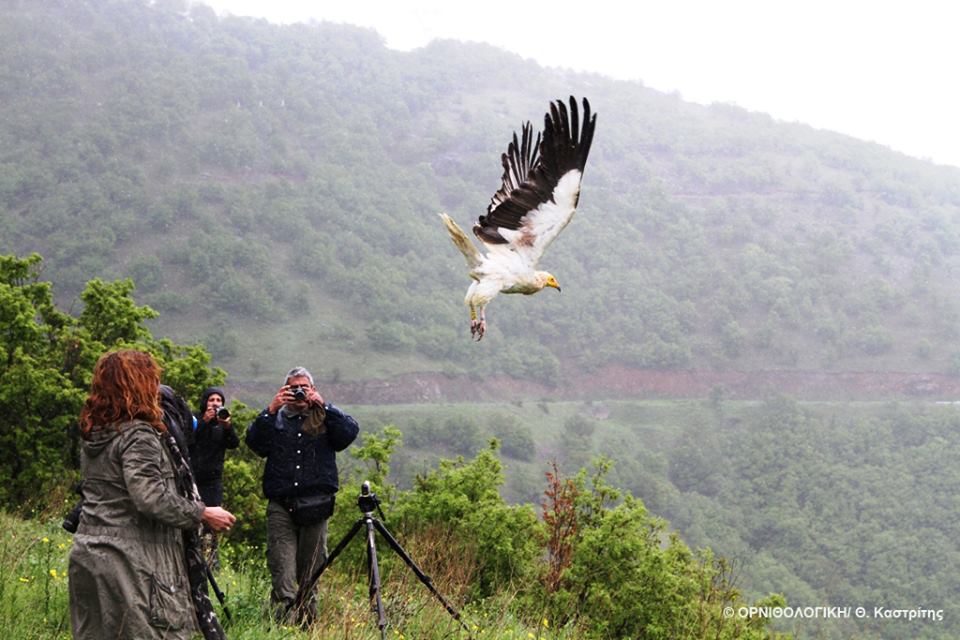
x=299 y=434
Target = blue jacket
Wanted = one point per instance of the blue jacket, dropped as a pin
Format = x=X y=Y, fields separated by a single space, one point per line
x=299 y=464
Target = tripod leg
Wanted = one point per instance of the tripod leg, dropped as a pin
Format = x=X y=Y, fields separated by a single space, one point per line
x=373 y=569
x=303 y=592
x=424 y=578
x=216 y=590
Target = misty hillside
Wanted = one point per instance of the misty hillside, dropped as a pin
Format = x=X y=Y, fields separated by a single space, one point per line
x=273 y=191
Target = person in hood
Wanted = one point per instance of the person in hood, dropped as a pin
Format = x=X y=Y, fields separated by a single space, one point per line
x=127 y=568
x=214 y=434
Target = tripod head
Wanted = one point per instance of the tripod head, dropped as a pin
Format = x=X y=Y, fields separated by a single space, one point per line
x=367 y=501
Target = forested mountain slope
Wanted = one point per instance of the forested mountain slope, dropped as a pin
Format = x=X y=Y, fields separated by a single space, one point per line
x=830 y=504
x=274 y=190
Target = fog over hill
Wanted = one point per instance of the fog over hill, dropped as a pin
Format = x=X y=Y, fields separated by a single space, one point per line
x=273 y=191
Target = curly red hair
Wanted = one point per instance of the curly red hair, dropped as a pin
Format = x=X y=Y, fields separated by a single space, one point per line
x=124 y=388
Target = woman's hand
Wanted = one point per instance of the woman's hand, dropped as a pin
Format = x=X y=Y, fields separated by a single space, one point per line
x=218 y=519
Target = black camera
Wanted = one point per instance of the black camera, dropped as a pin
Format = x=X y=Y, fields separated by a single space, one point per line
x=367 y=500
x=71 y=522
x=223 y=413
x=299 y=394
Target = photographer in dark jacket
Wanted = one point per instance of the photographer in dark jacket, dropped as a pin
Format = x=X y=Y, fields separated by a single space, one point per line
x=299 y=434
x=212 y=435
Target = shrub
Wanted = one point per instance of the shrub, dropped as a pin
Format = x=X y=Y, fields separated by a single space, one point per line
x=463 y=496
x=46 y=363
x=614 y=571
x=516 y=439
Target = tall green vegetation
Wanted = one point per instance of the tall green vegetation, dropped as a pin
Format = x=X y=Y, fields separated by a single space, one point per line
x=652 y=586
x=46 y=362
x=629 y=587
x=829 y=504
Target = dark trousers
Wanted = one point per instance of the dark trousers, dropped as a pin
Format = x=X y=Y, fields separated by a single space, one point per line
x=294 y=554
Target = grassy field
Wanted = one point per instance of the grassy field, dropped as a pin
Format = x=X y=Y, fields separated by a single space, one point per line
x=34 y=597
x=34 y=550
x=641 y=437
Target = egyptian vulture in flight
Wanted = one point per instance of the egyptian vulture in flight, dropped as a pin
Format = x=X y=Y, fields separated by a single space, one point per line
x=538 y=197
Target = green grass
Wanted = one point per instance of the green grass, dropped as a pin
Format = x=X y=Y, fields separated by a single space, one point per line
x=34 y=596
x=34 y=601
x=33 y=579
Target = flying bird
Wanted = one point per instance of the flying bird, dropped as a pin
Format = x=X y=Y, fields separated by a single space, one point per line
x=538 y=197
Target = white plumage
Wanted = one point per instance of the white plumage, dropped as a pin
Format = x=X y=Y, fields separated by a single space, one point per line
x=538 y=197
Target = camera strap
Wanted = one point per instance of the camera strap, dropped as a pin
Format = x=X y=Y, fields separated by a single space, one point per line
x=314 y=425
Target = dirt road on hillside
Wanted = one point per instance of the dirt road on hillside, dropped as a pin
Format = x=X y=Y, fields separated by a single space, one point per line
x=623 y=383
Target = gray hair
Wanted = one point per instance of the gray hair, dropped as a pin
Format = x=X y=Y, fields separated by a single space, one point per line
x=299 y=372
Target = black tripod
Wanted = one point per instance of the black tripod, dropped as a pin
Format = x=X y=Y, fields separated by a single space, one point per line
x=368 y=502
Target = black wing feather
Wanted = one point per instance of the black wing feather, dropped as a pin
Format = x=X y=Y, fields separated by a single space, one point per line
x=531 y=172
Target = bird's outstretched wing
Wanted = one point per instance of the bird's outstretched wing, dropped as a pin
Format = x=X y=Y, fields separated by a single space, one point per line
x=541 y=183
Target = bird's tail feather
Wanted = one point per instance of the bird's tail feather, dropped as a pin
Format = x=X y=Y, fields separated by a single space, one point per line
x=463 y=243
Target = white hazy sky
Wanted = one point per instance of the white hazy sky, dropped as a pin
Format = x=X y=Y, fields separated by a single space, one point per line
x=882 y=70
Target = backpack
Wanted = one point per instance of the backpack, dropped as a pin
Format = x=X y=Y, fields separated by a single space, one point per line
x=177 y=417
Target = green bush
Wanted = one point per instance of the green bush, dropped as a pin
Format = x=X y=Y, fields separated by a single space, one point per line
x=516 y=439
x=46 y=363
x=463 y=496
x=614 y=571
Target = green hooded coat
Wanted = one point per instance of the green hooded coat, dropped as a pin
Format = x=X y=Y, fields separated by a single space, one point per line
x=128 y=577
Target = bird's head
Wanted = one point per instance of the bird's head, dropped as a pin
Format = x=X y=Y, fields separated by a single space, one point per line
x=547 y=280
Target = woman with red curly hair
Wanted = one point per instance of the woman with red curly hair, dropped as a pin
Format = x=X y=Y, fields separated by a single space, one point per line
x=128 y=577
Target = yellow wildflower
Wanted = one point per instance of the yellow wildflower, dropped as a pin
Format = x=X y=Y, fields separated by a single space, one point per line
x=45 y=539
x=24 y=579
x=53 y=574
x=546 y=623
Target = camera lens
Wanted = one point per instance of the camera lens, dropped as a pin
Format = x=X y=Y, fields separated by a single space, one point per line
x=223 y=413
x=299 y=394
